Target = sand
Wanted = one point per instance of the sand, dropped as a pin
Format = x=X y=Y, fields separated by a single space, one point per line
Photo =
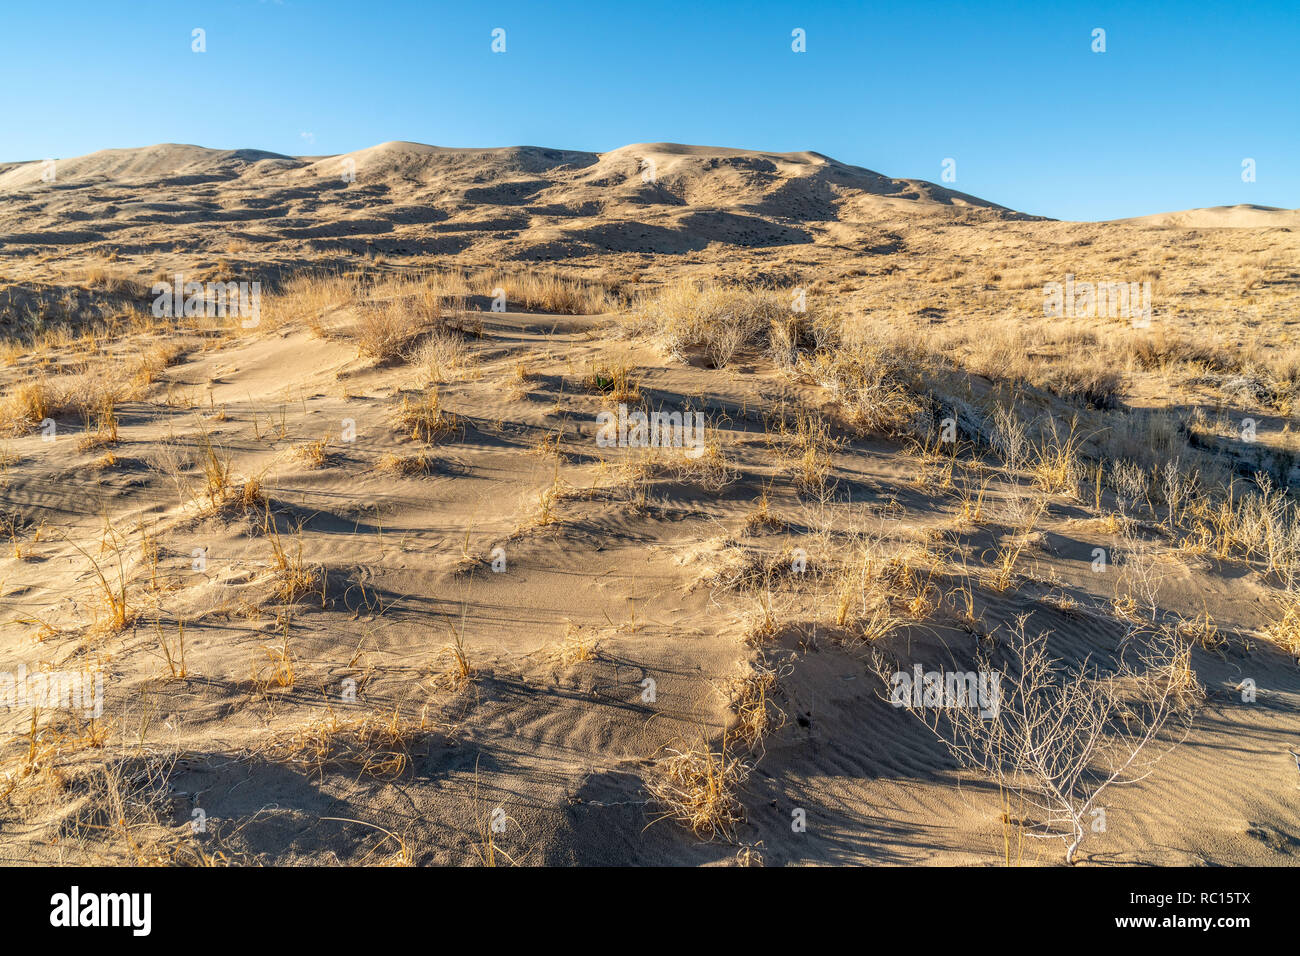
x=554 y=729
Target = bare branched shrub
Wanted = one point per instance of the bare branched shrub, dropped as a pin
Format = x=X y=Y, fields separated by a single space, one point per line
x=1008 y=438
x=1059 y=737
x=1141 y=573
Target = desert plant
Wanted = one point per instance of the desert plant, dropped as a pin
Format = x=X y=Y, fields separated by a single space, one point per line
x=698 y=787
x=1057 y=737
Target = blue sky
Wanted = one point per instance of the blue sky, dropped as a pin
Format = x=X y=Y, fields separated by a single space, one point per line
x=1012 y=91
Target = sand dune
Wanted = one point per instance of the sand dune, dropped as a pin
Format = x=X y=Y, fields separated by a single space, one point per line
x=510 y=203
x=149 y=164
x=365 y=586
x=1244 y=216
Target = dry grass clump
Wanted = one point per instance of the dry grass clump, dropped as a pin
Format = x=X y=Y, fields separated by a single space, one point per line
x=424 y=418
x=578 y=647
x=1055 y=466
x=407 y=466
x=440 y=357
x=614 y=381
x=310 y=298
x=718 y=320
x=1002 y=570
x=315 y=454
x=293 y=578
x=1285 y=632
x=385 y=329
x=545 y=292
x=277 y=667
x=151 y=363
x=30 y=403
x=34 y=764
x=804 y=444
x=728 y=565
x=1163 y=348
x=119 y=811
x=251 y=495
x=874 y=594
x=698 y=787
x=763 y=517
x=100 y=422
x=112 y=280
x=1202 y=630
x=547 y=499
x=869 y=384
x=705 y=465
x=549 y=446
x=757 y=714
x=372 y=745
x=220 y=489
x=459 y=670
x=1089 y=385
x=1260 y=525
x=1069 y=360
x=117 y=614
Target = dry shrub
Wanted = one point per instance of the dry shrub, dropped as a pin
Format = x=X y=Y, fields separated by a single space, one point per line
x=372 y=745
x=1285 y=631
x=385 y=329
x=424 y=418
x=870 y=386
x=1058 y=737
x=440 y=357
x=698 y=787
x=717 y=320
x=309 y=298
x=406 y=466
x=546 y=292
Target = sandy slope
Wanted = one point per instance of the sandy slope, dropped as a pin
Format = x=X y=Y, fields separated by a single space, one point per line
x=411 y=199
x=1244 y=216
x=565 y=746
